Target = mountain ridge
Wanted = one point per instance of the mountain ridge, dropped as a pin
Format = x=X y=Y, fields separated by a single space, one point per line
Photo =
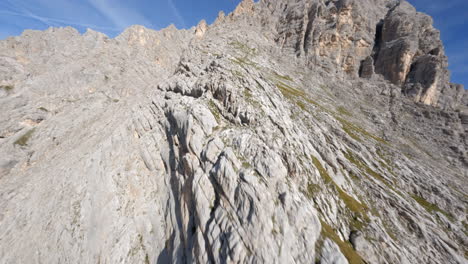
x=276 y=135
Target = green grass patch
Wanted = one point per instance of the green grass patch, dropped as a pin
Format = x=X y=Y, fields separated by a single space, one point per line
x=345 y=247
x=244 y=62
x=282 y=77
x=249 y=97
x=299 y=97
x=301 y=105
x=7 y=88
x=350 y=132
x=289 y=91
x=246 y=165
x=312 y=190
x=23 y=140
x=430 y=207
x=215 y=111
x=364 y=168
x=343 y=111
x=359 y=217
x=326 y=177
x=353 y=129
x=247 y=94
x=385 y=162
x=295 y=95
x=244 y=48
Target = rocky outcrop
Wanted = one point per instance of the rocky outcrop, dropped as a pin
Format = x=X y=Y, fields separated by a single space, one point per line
x=411 y=54
x=201 y=29
x=271 y=136
x=344 y=35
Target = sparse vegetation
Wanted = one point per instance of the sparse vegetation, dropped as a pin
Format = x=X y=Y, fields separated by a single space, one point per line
x=364 y=168
x=244 y=48
x=244 y=62
x=295 y=95
x=345 y=247
x=23 y=140
x=246 y=165
x=343 y=111
x=43 y=109
x=385 y=162
x=215 y=111
x=288 y=91
x=301 y=105
x=465 y=227
x=430 y=207
x=7 y=88
x=389 y=231
x=247 y=53
x=238 y=74
x=299 y=96
x=352 y=130
x=359 y=217
x=248 y=94
x=282 y=77
x=312 y=189
x=251 y=99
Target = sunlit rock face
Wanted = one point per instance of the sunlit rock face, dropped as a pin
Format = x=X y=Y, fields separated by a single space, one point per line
x=286 y=132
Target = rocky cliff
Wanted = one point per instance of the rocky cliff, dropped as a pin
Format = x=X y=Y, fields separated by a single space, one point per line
x=289 y=131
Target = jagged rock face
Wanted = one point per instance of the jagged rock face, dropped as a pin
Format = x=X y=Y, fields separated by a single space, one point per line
x=271 y=136
x=337 y=35
x=342 y=35
x=411 y=54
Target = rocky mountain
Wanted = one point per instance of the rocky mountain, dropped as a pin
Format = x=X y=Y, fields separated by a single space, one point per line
x=289 y=131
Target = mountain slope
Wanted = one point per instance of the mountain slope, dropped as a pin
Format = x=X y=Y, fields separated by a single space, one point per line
x=287 y=131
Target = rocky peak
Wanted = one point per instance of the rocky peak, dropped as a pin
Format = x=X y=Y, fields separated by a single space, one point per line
x=411 y=54
x=389 y=38
x=245 y=7
x=201 y=29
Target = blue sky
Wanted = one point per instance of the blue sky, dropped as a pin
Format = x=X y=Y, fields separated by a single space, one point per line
x=108 y=16
x=113 y=16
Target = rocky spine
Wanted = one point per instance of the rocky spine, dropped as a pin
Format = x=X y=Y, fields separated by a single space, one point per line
x=285 y=132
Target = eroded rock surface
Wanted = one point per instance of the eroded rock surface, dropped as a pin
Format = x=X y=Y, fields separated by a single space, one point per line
x=286 y=132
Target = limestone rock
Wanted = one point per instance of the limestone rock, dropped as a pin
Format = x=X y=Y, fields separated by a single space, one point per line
x=286 y=132
x=367 y=68
x=201 y=28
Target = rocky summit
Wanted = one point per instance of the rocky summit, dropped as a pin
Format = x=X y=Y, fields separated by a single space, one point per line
x=289 y=131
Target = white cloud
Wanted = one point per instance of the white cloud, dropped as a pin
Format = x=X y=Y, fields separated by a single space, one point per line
x=23 y=11
x=177 y=14
x=53 y=21
x=120 y=15
x=102 y=15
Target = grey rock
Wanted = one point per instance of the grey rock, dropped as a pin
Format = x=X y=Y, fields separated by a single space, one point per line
x=273 y=135
x=331 y=254
x=367 y=68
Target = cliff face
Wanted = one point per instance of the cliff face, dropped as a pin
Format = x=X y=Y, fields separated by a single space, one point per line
x=286 y=132
x=358 y=38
